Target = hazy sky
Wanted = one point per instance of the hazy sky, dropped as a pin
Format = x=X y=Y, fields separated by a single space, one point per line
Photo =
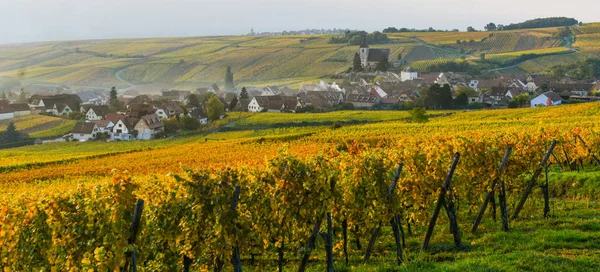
x=44 y=20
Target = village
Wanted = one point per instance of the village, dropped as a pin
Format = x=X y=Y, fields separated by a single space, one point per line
x=135 y=115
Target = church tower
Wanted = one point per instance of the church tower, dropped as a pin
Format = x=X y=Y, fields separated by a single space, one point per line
x=364 y=51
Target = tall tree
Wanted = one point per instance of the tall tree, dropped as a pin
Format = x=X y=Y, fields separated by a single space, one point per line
x=193 y=101
x=244 y=93
x=461 y=101
x=10 y=135
x=383 y=64
x=214 y=108
x=490 y=27
x=356 y=64
x=229 y=80
x=22 y=96
x=471 y=29
x=113 y=93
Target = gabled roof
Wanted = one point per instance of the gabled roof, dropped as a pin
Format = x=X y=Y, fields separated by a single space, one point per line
x=377 y=54
x=152 y=121
x=102 y=123
x=114 y=117
x=140 y=99
x=199 y=114
x=553 y=96
x=84 y=128
x=277 y=102
x=19 y=107
x=363 y=43
x=5 y=107
x=99 y=110
x=498 y=91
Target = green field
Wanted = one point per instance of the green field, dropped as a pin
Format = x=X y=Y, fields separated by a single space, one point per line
x=40 y=126
x=258 y=60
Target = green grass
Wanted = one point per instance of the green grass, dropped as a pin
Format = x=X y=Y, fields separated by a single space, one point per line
x=569 y=240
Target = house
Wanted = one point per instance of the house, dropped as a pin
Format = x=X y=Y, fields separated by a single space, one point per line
x=61 y=109
x=114 y=117
x=497 y=93
x=124 y=129
x=104 y=126
x=362 y=101
x=93 y=97
x=47 y=103
x=274 y=103
x=443 y=79
x=148 y=126
x=85 y=131
x=169 y=110
x=546 y=99
x=199 y=114
x=473 y=84
x=512 y=92
x=6 y=111
x=378 y=91
x=175 y=95
x=409 y=73
x=370 y=57
x=96 y=112
x=214 y=89
x=20 y=109
x=140 y=100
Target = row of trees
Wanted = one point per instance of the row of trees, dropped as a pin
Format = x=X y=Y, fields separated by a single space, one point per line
x=355 y=38
x=535 y=23
x=22 y=97
x=582 y=70
x=440 y=97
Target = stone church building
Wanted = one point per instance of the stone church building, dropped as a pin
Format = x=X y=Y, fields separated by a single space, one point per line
x=370 y=57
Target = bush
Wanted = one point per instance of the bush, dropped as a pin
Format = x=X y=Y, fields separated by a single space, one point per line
x=419 y=115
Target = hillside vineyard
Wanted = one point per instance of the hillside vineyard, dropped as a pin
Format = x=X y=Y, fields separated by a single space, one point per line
x=287 y=184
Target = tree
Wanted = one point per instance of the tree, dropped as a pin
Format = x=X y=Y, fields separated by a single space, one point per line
x=214 y=108
x=3 y=96
x=490 y=27
x=356 y=64
x=436 y=96
x=461 y=101
x=400 y=56
x=244 y=93
x=383 y=64
x=233 y=103
x=466 y=90
x=471 y=29
x=11 y=135
x=193 y=101
x=22 y=96
x=189 y=123
x=418 y=115
x=482 y=57
x=229 y=80
x=113 y=93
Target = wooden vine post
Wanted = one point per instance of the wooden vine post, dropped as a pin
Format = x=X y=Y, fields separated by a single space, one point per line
x=395 y=222
x=133 y=230
x=235 y=260
x=532 y=181
x=329 y=243
x=438 y=207
x=589 y=150
x=490 y=194
x=311 y=243
x=546 y=195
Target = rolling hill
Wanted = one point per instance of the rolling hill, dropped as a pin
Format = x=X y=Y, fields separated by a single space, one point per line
x=283 y=60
